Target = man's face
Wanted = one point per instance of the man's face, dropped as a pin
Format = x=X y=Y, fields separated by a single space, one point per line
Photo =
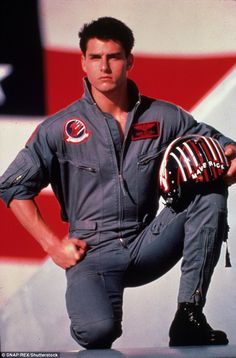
x=106 y=65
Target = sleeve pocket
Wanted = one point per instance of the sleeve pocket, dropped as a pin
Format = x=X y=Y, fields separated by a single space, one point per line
x=23 y=167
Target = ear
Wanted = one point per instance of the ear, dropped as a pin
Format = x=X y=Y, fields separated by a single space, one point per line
x=130 y=61
x=83 y=63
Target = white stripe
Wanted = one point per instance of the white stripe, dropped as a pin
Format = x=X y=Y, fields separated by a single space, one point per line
x=185 y=158
x=162 y=171
x=164 y=181
x=191 y=153
x=217 y=149
x=180 y=166
x=209 y=146
x=172 y=25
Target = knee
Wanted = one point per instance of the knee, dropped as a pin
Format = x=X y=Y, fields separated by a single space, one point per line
x=215 y=196
x=209 y=202
x=98 y=335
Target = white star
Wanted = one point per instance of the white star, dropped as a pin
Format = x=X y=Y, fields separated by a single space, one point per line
x=5 y=71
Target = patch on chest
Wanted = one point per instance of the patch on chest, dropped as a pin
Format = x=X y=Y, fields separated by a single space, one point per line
x=76 y=131
x=145 y=130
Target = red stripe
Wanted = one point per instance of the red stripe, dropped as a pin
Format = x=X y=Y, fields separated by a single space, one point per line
x=201 y=161
x=16 y=242
x=195 y=150
x=182 y=159
x=210 y=158
x=181 y=80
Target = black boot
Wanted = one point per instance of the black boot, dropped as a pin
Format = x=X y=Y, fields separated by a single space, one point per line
x=190 y=328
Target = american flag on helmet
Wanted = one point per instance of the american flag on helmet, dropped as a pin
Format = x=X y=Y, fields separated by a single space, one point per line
x=193 y=158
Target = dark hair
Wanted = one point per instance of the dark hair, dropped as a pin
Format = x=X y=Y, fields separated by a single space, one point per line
x=107 y=28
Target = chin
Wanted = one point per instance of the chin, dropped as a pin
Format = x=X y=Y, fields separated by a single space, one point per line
x=107 y=89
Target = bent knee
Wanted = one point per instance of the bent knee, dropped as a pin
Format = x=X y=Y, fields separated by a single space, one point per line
x=97 y=335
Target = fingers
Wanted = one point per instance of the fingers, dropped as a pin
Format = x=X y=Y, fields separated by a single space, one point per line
x=81 y=244
x=76 y=248
x=230 y=177
x=230 y=151
x=80 y=247
x=70 y=249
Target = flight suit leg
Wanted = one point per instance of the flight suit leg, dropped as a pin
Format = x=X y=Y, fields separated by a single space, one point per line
x=193 y=229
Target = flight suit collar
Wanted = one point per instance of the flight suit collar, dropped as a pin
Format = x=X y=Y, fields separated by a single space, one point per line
x=133 y=91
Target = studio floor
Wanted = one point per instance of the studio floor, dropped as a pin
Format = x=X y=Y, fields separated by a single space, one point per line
x=162 y=352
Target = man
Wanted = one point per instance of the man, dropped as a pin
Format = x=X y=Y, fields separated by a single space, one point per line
x=101 y=156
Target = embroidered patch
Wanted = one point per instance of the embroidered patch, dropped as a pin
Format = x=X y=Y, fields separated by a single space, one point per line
x=145 y=130
x=76 y=131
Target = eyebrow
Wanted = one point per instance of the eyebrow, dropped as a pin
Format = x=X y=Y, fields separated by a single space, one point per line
x=112 y=54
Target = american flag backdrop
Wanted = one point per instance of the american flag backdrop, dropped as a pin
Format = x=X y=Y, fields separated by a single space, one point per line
x=183 y=49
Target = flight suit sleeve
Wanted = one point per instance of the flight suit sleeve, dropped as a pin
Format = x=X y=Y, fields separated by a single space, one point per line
x=30 y=170
x=188 y=125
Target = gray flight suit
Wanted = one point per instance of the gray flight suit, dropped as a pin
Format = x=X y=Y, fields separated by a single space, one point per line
x=108 y=192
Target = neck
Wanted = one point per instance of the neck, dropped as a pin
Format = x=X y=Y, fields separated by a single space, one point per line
x=113 y=102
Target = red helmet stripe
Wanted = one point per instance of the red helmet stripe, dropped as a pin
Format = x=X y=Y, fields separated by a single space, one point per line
x=185 y=160
x=191 y=153
x=180 y=166
x=192 y=158
x=197 y=152
x=219 y=150
x=204 y=173
x=215 y=161
x=210 y=147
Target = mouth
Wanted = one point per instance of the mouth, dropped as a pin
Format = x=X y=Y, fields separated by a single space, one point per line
x=105 y=78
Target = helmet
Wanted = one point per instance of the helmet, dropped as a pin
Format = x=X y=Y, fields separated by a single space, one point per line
x=190 y=159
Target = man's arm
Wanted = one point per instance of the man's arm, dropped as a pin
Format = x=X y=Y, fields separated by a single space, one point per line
x=65 y=253
x=230 y=152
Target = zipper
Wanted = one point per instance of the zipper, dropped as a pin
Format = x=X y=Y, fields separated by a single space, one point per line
x=197 y=295
x=85 y=167
x=19 y=177
x=126 y=136
x=88 y=169
x=121 y=179
x=119 y=165
x=122 y=185
x=120 y=169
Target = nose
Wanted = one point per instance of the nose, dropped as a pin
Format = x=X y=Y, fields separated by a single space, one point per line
x=104 y=65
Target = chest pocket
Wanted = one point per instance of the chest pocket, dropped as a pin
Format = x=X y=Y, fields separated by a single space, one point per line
x=81 y=165
x=149 y=159
x=80 y=181
x=80 y=187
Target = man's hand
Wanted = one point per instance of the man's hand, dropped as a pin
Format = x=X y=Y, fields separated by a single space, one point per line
x=230 y=152
x=64 y=253
x=68 y=252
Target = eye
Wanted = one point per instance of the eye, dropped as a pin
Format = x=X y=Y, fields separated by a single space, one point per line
x=114 y=56
x=94 y=57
